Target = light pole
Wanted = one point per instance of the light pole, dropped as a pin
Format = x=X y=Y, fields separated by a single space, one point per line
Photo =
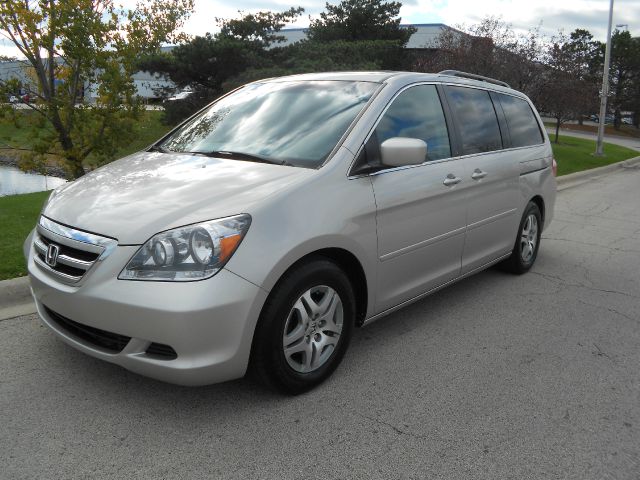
x=605 y=85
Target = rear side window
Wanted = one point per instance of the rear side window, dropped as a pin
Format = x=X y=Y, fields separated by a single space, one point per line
x=476 y=119
x=417 y=113
x=523 y=126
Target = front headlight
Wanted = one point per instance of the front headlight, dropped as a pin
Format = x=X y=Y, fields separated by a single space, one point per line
x=188 y=253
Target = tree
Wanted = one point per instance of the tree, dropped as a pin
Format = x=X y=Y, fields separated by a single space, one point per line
x=78 y=45
x=634 y=104
x=583 y=53
x=352 y=35
x=570 y=77
x=356 y=34
x=308 y=57
x=208 y=64
x=623 y=73
x=260 y=29
x=338 y=55
x=354 y=20
x=564 y=90
x=561 y=75
x=490 y=48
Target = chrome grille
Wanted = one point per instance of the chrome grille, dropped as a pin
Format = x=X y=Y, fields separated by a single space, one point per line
x=66 y=253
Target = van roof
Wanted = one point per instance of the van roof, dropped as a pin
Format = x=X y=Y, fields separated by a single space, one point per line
x=397 y=78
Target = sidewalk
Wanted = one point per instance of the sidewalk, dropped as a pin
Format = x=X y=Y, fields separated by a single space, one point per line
x=15 y=298
x=629 y=142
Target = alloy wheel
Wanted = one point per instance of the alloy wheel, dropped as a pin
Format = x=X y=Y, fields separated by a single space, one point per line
x=313 y=329
x=529 y=238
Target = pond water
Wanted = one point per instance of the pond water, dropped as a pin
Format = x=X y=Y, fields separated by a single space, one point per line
x=13 y=181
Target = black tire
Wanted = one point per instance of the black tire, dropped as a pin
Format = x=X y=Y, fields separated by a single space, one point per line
x=516 y=263
x=268 y=362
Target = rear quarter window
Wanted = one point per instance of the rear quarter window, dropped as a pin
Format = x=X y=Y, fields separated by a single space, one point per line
x=524 y=129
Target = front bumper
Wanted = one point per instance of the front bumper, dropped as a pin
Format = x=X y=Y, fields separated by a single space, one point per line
x=209 y=323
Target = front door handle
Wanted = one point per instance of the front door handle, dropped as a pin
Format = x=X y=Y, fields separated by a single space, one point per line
x=478 y=174
x=451 y=180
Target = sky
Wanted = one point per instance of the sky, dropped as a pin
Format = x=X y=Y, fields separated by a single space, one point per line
x=549 y=15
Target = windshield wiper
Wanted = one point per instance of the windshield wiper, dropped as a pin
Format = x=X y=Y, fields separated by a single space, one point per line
x=249 y=157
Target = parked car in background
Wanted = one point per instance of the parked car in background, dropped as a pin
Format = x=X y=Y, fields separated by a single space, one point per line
x=608 y=119
x=13 y=99
x=180 y=96
x=260 y=232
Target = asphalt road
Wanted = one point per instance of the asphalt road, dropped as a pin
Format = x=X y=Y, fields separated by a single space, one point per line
x=496 y=377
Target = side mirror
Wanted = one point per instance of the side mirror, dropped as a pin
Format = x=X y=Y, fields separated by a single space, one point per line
x=401 y=151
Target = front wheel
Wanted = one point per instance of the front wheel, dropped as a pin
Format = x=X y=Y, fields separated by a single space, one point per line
x=304 y=328
x=525 y=249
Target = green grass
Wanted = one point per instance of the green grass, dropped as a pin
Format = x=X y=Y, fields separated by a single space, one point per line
x=17 y=134
x=150 y=130
x=576 y=154
x=18 y=215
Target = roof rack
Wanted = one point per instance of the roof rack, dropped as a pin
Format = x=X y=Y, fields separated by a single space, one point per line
x=473 y=76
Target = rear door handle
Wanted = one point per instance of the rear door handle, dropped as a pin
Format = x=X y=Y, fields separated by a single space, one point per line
x=451 y=180
x=478 y=174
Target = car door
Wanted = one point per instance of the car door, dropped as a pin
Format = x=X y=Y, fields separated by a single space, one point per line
x=492 y=175
x=421 y=209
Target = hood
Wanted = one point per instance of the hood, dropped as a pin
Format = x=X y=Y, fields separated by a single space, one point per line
x=148 y=192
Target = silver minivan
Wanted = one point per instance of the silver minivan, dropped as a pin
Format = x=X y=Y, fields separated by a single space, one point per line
x=257 y=234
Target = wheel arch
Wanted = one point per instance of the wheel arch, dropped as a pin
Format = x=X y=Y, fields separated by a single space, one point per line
x=350 y=265
x=537 y=199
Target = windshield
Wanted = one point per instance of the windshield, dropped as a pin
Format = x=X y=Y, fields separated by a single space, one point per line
x=296 y=122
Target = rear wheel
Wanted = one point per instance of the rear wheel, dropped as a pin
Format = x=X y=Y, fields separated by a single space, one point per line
x=525 y=249
x=304 y=328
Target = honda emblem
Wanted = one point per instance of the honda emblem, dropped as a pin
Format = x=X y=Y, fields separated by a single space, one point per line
x=52 y=255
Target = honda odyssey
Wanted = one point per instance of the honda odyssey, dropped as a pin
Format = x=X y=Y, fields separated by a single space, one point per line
x=258 y=233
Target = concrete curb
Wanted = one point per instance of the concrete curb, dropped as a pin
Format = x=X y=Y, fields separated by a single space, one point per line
x=579 y=178
x=15 y=294
x=15 y=298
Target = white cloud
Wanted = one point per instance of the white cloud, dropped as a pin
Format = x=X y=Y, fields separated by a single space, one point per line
x=206 y=11
x=552 y=15
x=8 y=50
